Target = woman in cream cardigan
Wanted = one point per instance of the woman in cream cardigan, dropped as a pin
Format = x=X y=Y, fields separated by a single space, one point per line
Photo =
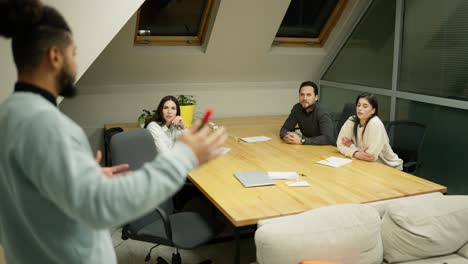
x=166 y=124
x=363 y=136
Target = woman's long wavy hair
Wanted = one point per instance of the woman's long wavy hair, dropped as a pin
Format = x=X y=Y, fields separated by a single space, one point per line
x=373 y=102
x=158 y=116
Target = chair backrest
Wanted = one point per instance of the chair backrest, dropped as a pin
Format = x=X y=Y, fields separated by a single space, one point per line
x=136 y=147
x=108 y=134
x=349 y=109
x=406 y=138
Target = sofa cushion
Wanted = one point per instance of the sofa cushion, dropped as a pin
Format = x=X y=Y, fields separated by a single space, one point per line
x=341 y=233
x=447 y=259
x=422 y=228
x=463 y=251
x=381 y=206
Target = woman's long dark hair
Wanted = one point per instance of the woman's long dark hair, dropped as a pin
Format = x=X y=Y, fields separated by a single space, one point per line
x=158 y=116
x=373 y=102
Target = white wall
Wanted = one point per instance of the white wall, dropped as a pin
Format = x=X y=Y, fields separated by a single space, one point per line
x=7 y=69
x=123 y=103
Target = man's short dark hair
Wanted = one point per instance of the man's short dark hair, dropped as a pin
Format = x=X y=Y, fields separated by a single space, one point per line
x=309 y=83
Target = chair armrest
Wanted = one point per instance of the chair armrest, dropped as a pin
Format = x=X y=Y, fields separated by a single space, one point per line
x=166 y=222
x=189 y=185
x=410 y=166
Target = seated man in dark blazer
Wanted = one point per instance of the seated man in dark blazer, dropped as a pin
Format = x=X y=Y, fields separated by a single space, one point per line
x=314 y=121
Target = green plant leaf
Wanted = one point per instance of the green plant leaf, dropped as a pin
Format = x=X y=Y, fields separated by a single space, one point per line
x=186 y=100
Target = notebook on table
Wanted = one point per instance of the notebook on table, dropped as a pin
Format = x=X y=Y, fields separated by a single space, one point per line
x=254 y=178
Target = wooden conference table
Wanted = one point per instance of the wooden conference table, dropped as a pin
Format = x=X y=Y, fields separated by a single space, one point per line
x=357 y=182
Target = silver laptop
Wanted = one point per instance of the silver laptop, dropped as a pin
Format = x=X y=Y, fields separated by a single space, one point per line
x=254 y=178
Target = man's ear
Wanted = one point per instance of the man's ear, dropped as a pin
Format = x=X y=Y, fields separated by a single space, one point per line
x=55 y=57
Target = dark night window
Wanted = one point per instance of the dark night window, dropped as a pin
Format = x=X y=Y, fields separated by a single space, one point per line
x=172 y=22
x=308 y=23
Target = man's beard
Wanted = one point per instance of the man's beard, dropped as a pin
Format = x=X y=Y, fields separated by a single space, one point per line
x=66 y=83
x=306 y=106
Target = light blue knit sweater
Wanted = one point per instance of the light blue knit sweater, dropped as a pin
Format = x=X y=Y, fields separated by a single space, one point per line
x=55 y=204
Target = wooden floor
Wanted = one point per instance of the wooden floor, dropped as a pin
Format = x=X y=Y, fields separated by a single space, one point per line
x=133 y=252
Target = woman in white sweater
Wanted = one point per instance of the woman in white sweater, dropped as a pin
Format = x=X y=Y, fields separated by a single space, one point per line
x=363 y=136
x=166 y=124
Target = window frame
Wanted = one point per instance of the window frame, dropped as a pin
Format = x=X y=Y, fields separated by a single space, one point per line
x=323 y=36
x=176 y=40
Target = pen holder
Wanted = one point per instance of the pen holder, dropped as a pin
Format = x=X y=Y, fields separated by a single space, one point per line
x=186 y=112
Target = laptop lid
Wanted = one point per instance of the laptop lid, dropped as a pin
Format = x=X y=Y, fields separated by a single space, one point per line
x=254 y=178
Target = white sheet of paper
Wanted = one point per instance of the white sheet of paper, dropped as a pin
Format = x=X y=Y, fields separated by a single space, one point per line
x=255 y=139
x=298 y=184
x=334 y=161
x=223 y=150
x=283 y=175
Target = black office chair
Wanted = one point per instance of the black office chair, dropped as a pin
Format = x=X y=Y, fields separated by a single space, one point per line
x=185 y=230
x=406 y=138
x=349 y=109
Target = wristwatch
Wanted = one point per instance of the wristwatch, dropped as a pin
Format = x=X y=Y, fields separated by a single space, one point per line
x=303 y=141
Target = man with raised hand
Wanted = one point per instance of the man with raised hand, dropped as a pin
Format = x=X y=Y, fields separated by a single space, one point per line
x=56 y=202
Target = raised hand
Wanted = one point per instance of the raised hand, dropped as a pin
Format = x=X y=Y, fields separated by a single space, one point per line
x=205 y=143
x=178 y=121
x=114 y=170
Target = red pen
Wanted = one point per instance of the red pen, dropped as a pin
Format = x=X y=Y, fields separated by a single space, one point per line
x=206 y=117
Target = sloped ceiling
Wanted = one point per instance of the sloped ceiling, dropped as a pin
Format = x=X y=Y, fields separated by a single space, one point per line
x=236 y=72
x=94 y=24
x=238 y=48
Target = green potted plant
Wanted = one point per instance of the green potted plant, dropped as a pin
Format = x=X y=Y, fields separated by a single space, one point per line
x=187 y=108
x=146 y=115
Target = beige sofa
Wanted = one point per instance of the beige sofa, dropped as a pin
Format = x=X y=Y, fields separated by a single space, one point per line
x=429 y=229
